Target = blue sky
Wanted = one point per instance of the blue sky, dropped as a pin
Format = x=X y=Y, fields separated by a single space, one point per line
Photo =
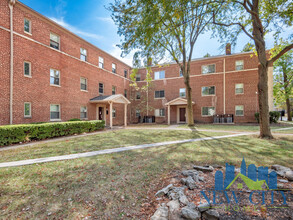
x=90 y=20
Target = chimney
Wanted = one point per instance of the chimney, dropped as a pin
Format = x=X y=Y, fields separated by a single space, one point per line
x=228 y=49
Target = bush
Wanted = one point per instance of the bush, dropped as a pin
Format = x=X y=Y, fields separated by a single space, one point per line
x=11 y=134
x=74 y=119
x=274 y=116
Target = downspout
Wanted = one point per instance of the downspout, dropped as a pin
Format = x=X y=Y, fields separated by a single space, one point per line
x=224 y=82
x=11 y=5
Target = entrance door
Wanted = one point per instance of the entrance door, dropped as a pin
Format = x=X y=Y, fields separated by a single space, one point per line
x=101 y=113
x=182 y=112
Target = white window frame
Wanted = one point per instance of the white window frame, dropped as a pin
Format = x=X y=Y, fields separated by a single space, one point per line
x=82 y=112
x=59 y=119
x=84 y=90
x=59 y=78
x=30 y=110
x=208 y=111
x=160 y=93
x=158 y=75
x=182 y=92
x=59 y=41
x=103 y=88
x=208 y=94
x=30 y=26
x=81 y=54
x=101 y=62
x=114 y=68
x=239 y=65
x=242 y=88
x=158 y=113
x=208 y=65
x=114 y=113
x=30 y=69
x=236 y=110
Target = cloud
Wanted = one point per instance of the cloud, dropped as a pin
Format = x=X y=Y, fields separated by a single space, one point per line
x=75 y=30
x=116 y=52
x=106 y=19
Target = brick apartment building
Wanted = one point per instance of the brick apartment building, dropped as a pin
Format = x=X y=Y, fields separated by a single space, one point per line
x=51 y=74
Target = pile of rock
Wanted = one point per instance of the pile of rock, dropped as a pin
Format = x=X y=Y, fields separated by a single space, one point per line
x=283 y=171
x=179 y=207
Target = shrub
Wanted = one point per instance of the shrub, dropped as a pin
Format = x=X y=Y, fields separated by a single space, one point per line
x=74 y=119
x=11 y=134
x=274 y=116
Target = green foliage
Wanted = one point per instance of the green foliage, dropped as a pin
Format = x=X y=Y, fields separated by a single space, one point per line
x=274 y=116
x=12 y=134
x=249 y=47
x=74 y=119
x=207 y=55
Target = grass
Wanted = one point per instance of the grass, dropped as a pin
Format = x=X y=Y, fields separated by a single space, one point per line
x=114 y=186
x=103 y=140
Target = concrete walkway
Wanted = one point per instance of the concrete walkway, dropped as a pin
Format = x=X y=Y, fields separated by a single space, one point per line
x=109 y=151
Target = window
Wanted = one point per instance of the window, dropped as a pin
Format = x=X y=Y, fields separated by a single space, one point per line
x=239 y=65
x=138 y=77
x=113 y=112
x=207 y=111
x=160 y=112
x=27 y=109
x=239 y=88
x=125 y=93
x=83 y=54
x=54 y=112
x=239 y=110
x=27 y=26
x=180 y=73
x=54 y=41
x=101 y=62
x=54 y=77
x=83 y=84
x=160 y=75
x=113 y=90
x=137 y=95
x=182 y=92
x=159 y=94
x=207 y=69
x=208 y=90
x=27 y=68
x=137 y=113
x=113 y=68
x=125 y=73
x=83 y=112
x=101 y=88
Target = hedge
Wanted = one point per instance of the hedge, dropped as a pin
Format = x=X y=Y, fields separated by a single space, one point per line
x=274 y=116
x=12 y=134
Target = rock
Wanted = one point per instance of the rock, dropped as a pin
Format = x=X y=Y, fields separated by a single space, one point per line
x=280 y=170
x=182 y=198
x=190 y=172
x=289 y=175
x=174 y=212
x=217 y=166
x=203 y=207
x=280 y=186
x=211 y=214
x=174 y=192
x=201 y=178
x=283 y=181
x=204 y=168
x=164 y=191
x=190 y=183
x=190 y=212
x=161 y=213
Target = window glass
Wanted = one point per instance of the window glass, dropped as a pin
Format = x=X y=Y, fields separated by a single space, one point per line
x=239 y=65
x=208 y=90
x=54 y=77
x=54 y=112
x=83 y=84
x=239 y=88
x=27 y=68
x=137 y=77
x=113 y=67
x=83 y=54
x=207 y=69
x=208 y=111
x=54 y=41
x=160 y=94
x=239 y=110
x=182 y=92
x=113 y=90
x=27 y=109
x=113 y=112
x=83 y=112
x=137 y=96
x=101 y=62
x=101 y=88
x=160 y=75
x=27 y=25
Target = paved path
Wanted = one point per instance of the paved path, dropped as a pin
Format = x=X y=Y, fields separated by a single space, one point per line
x=109 y=151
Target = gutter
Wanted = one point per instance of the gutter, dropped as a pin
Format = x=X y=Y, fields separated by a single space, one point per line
x=11 y=5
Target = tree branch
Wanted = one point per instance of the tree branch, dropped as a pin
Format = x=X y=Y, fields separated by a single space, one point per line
x=281 y=53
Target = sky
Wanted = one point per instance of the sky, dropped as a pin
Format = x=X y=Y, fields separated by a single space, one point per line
x=90 y=20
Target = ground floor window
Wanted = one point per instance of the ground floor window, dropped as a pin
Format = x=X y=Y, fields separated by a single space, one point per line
x=137 y=113
x=239 y=110
x=160 y=112
x=207 y=111
x=27 y=109
x=83 y=112
x=114 y=113
x=159 y=94
x=54 y=112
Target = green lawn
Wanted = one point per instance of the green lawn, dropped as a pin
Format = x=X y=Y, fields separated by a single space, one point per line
x=114 y=186
x=103 y=140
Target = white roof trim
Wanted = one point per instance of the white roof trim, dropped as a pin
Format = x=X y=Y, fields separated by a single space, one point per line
x=178 y=101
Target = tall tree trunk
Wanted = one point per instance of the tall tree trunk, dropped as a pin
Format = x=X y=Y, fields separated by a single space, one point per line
x=287 y=96
x=189 y=99
x=288 y=109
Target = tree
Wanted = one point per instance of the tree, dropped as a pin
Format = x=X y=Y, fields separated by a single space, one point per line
x=161 y=28
x=257 y=18
x=207 y=55
x=283 y=80
x=247 y=47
